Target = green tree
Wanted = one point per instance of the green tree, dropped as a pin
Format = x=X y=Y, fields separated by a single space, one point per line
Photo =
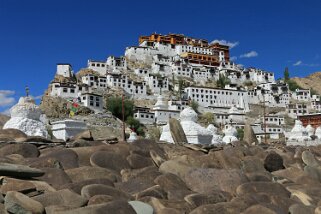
x=135 y=125
x=207 y=118
x=286 y=75
x=240 y=133
x=222 y=81
x=114 y=105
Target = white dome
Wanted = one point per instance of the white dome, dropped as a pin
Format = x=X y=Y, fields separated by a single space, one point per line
x=230 y=131
x=26 y=108
x=310 y=129
x=188 y=114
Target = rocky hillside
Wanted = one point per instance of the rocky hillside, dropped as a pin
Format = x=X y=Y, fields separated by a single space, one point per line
x=56 y=107
x=313 y=81
x=145 y=177
x=3 y=120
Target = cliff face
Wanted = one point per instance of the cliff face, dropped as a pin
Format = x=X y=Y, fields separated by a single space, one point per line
x=313 y=81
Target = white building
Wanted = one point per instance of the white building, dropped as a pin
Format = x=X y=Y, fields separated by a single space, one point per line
x=134 y=88
x=99 y=66
x=116 y=62
x=297 y=109
x=273 y=120
x=157 y=83
x=303 y=95
x=193 y=49
x=64 y=69
x=64 y=90
x=92 y=101
x=215 y=97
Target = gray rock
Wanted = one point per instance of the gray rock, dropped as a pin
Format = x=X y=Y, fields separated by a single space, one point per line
x=109 y=160
x=55 y=177
x=214 y=197
x=86 y=173
x=177 y=131
x=24 y=149
x=301 y=209
x=11 y=184
x=176 y=189
x=15 y=170
x=309 y=159
x=314 y=172
x=141 y=207
x=100 y=199
x=135 y=185
x=16 y=202
x=154 y=191
x=137 y=161
x=222 y=208
x=207 y=180
x=77 y=186
x=114 y=207
x=258 y=209
x=100 y=189
x=158 y=158
x=62 y=198
x=268 y=188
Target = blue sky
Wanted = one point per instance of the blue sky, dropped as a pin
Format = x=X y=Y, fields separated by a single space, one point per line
x=35 y=35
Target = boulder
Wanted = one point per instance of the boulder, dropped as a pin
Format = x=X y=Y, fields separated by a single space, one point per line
x=87 y=173
x=313 y=172
x=309 y=159
x=84 y=135
x=301 y=209
x=258 y=209
x=66 y=157
x=273 y=162
x=157 y=158
x=55 y=177
x=12 y=135
x=207 y=180
x=109 y=160
x=24 y=149
x=135 y=185
x=177 y=131
x=11 y=184
x=100 y=199
x=175 y=188
x=175 y=167
x=16 y=202
x=63 y=197
x=15 y=170
x=113 y=207
x=77 y=186
x=137 y=161
x=154 y=191
x=100 y=189
x=214 y=197
x=267 y=188
x=222 y=208
x=149 y=173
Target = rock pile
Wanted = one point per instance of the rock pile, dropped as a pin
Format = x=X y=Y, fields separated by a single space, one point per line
x=145 y=177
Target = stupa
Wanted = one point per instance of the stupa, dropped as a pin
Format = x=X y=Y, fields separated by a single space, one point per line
x=217 y=139
x=132 y=137
x=298 y=132
x=25 y=116
x=230 y=134
x=195 y=133
x=310 y=130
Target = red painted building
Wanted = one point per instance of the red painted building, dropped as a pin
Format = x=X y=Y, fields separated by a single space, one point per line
x=312 y=119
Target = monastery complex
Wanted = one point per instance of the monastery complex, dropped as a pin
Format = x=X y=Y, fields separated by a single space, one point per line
x=172 y=71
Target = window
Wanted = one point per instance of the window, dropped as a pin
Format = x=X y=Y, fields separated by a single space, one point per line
x=91 y=103
x=72 y=90
x=91 y=98
x=97 y=104
x=65 y=90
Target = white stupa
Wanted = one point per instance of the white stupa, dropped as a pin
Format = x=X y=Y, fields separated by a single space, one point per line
x=25 y=116
x=195 y=133
x=132 y=137
x=216 y=138
x=230 y=134
x=298 y=132
x=318 y=132
x=310 y=130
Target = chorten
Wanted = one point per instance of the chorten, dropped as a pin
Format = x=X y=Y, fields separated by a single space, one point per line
x=216 y=138
x=298 y=132
x=25 y=116
x=310 y=130
x=230 y=134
